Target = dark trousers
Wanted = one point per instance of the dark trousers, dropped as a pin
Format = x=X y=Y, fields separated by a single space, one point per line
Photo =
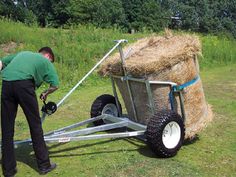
x=21 y=93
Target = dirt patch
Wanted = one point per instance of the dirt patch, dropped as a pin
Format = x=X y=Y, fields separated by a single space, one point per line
x=8 y=47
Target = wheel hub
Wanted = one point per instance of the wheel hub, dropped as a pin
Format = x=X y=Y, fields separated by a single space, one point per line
x=171 y=135
x=110 y=109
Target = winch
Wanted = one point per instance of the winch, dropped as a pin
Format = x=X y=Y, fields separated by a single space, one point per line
x=49 y=108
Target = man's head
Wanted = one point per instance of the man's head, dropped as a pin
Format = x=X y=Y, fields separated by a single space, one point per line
x=47 y=52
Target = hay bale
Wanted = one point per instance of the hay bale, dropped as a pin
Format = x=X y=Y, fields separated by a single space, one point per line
x=172 y=58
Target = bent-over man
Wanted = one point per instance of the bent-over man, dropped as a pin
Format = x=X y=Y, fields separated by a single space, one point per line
x=22 y=73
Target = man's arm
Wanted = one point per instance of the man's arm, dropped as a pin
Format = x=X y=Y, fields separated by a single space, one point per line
x=50 y=90
x=51 y=77
x=6 y=60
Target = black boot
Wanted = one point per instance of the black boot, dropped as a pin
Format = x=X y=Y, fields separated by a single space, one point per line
x=44 y=171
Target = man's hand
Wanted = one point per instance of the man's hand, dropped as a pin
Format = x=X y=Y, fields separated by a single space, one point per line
x=43 y=96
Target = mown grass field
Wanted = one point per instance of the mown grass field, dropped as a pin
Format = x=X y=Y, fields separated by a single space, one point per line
x=212 y=154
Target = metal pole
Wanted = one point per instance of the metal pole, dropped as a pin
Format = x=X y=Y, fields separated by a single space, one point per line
x=127 y=82
x=116 y=96
x=150 y=97
x=68 y=94
x=181 y=99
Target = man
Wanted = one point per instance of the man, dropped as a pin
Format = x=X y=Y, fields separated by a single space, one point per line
x=21 y=74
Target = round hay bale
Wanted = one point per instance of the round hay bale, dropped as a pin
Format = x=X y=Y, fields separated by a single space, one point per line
x=163 y=59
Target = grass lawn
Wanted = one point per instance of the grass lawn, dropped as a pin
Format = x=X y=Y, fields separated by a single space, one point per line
x=212 y=154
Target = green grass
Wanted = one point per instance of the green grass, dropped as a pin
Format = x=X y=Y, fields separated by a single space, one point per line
x=213 y=154
x=217 y=51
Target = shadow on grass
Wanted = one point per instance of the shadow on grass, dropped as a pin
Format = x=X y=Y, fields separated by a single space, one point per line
x=192 y=140
x=57 y=153
x=142 y=149
x=146 y=151
x=24 y=153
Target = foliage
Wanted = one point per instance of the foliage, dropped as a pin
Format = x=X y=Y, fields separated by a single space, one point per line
x=18 y=12
x=205 y=16
x=101 y=13
x=147 y=14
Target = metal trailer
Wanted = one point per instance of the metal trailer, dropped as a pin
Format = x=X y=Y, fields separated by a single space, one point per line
x=164 y=133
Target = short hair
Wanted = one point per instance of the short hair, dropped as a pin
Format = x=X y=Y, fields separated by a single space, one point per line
x=47 y=50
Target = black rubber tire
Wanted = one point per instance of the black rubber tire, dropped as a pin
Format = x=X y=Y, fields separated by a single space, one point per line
x=154 y=132
x=98 y=105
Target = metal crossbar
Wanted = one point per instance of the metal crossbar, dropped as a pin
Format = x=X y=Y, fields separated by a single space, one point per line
x=64 y=135
x=90 y=137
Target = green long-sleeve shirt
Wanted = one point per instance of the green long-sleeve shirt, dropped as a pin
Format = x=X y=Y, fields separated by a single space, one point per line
x=28 y=65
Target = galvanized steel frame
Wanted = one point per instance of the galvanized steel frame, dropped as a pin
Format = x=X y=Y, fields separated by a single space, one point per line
x=65 y=134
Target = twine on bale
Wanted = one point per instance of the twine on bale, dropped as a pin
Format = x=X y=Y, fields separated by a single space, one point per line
x=163 y=58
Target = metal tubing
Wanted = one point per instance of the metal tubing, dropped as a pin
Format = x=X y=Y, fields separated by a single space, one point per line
x=62 y=136
x=43 y=116
x=16 y=143
x=131 y=124
x=122 y=57
x=150 y=97
x=136 y=126
x=144 y=80
x=135 y=79
x=181 y=100
x=62 y=130
x=90 y=137
x=132 y=100
x=87 y=137
x=112 y=119
x=163 y=83
x=63 y=99
x=127 y=82
x=116 y=96
x=90 y=130
x=129 y=78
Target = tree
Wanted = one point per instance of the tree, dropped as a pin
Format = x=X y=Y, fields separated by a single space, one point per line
x=42 y=9
x=133 y=11
x=154 y=17
x=205 y=15
x=59 y=13
x=101 y=13
x=195 y=15
x=148 y=14
x=17 y=11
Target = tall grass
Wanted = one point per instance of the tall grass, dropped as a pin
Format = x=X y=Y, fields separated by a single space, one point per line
x=217 y=51
x=77 y=49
